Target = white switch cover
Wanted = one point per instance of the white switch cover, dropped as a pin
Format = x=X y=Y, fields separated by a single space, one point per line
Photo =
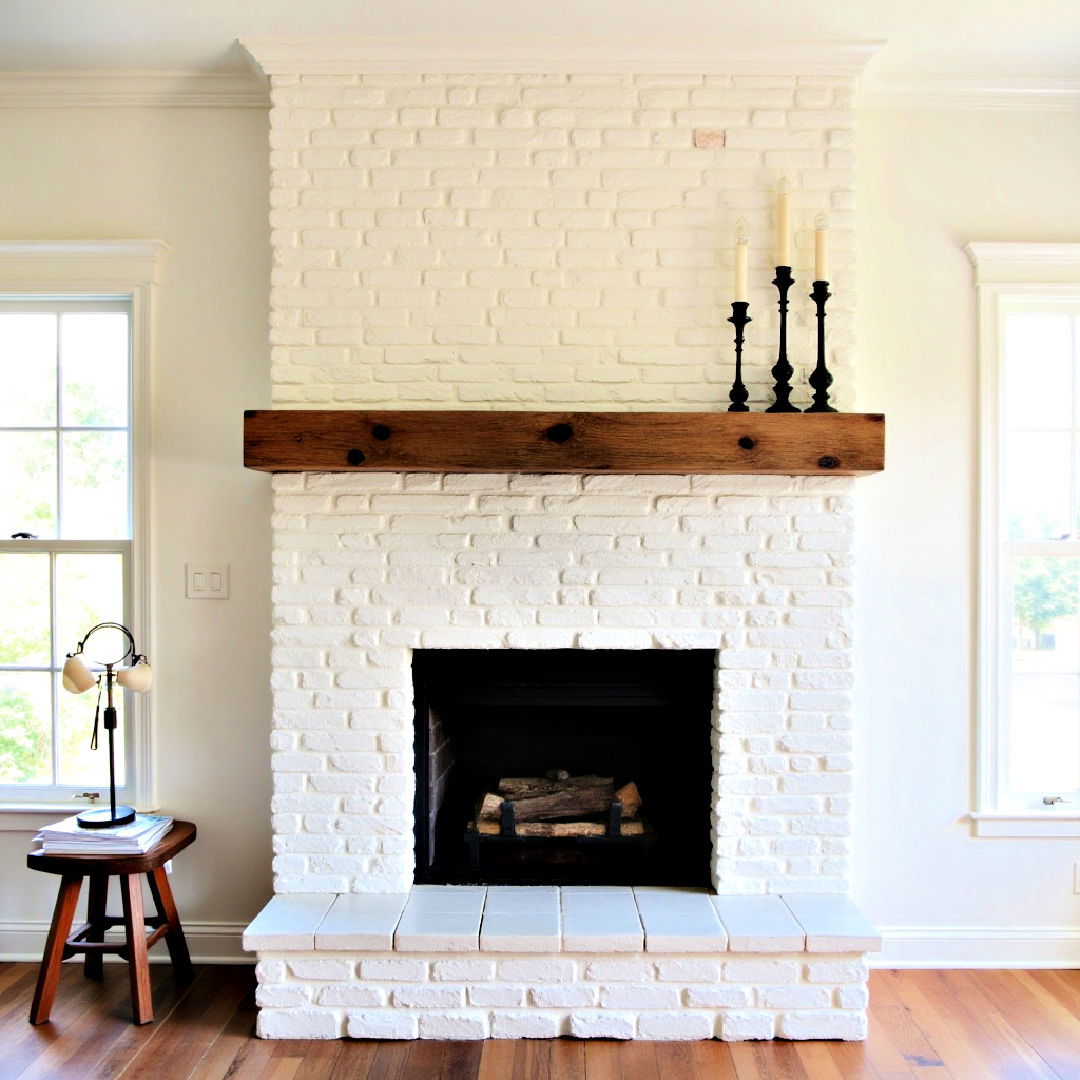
x=207 y=581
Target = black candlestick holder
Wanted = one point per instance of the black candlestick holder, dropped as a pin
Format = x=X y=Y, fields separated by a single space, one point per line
x=739 y=393
x=821 y=378
x=782 y=370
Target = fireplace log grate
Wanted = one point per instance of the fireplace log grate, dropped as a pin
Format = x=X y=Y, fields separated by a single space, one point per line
x=610 y=833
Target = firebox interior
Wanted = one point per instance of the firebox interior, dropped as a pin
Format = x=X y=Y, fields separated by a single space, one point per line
x=636 y=716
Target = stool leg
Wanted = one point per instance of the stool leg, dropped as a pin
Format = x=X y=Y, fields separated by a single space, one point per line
x=138 y=963
x=96 y=903
x=49 y=975
x=175 y=941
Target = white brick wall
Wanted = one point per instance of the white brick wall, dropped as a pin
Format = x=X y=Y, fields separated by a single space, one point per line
x=371 y=566
x=547 y=240
x=684 y=997
x=554 y=241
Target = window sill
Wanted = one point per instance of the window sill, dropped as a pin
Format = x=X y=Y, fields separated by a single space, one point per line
x=30 y=817
x=1044 y=823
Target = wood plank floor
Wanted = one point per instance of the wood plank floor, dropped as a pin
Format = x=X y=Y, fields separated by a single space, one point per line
x=924 y=1025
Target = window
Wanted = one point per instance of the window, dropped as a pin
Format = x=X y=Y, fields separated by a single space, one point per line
x=1029 y=724
x=65 y=502
x=73 y=503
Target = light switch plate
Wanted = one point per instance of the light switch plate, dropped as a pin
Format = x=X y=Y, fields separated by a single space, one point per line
x=208 y=581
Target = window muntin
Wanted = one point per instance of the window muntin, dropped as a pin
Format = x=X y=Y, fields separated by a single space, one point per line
x=66 y=432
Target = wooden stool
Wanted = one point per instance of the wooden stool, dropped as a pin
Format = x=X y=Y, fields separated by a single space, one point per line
x=90 y=937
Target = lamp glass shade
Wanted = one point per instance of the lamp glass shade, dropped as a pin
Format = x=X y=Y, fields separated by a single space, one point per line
x=107 y=643
x=76 y=676
x=139 y=677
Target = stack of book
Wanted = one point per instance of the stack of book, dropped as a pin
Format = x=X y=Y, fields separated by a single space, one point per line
x=67 y=837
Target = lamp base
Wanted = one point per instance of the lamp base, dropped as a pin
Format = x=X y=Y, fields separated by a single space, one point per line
x=105 y=818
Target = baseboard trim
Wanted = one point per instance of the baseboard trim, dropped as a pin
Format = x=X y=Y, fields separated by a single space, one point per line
x=989 y=947
x=209 y=943
x=903 y=946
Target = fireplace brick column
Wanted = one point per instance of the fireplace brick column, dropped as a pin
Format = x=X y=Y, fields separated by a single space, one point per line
x=555 y=241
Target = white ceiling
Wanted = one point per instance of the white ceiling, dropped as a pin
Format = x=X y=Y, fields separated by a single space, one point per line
x=940 y=37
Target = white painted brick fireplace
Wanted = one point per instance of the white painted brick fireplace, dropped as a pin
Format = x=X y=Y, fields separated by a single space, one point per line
x=554 y=241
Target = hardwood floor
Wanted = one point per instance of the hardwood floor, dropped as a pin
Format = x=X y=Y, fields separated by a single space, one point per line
x=924 y=1025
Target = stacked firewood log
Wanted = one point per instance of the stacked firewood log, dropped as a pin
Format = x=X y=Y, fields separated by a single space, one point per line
x=557 y=803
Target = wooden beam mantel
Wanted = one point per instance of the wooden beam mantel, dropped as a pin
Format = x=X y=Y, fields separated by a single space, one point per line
x=324 y=440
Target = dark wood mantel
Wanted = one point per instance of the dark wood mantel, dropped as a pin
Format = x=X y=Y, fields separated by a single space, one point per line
x=358 y=440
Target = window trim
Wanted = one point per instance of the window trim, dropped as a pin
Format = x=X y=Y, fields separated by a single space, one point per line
x=1006 y=274
x=129 y=269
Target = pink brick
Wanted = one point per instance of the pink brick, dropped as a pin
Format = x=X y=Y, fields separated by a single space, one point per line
x=709 y=138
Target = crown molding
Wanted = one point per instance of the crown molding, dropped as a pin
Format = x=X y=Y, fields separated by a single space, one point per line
x=131 y=89
x=1022 y=263
x=970 y=92
x=561 y=54
x=35 y=261
x=510 y=55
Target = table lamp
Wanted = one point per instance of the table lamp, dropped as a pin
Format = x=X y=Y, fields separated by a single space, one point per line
x=78 y=678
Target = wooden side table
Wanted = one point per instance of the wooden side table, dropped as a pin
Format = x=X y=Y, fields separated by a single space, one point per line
x=90 y=937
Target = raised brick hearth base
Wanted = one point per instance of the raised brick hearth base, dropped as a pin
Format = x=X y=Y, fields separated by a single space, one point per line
x=445 y=962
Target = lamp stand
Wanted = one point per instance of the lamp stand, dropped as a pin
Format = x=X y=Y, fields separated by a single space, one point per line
x=115 y=815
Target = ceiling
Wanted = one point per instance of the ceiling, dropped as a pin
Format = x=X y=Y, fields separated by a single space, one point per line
x=999 y=38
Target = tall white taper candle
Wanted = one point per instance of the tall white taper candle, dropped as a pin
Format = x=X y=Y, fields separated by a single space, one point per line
x=783 y=224
x=741 y=276
x=821 y=248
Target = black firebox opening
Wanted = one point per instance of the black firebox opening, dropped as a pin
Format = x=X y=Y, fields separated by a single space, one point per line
x=634 y=715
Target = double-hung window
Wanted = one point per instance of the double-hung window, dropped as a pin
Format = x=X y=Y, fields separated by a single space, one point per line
x=73 y=503
x=1029 y=724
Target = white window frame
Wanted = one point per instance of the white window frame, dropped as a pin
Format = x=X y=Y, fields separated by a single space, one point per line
x=129 y=270
x=1009 y=277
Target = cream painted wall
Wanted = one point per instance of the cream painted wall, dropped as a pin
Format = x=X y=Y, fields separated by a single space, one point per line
x=930 y=182
x=197 y=179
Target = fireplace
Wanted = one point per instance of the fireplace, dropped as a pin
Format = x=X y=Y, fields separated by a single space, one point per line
x=553 y=241
x=641 y=718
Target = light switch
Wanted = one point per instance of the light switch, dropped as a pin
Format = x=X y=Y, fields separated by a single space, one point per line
x=208 y=581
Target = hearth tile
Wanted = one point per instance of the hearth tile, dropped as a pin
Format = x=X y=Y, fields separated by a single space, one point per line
x=461 y=890
x=759 y=924
x=601 y=903
x=289 y=921
x=541 y=899
x=683 y=931
x=447 y=898
x=361 y=921
x=672 y=901
x=520 y=931
x=438 y=931
x=371 y=902
x=594 y=890
x=833 y=923
x=602 y=931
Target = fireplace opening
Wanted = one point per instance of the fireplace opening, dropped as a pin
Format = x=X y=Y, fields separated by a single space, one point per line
x=563 y=767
